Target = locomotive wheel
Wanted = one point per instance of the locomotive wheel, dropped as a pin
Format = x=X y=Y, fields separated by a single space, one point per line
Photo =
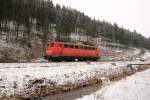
x=69 y=59
x=55 y=59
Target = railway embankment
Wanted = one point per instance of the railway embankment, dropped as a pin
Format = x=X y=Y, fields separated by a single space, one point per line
x=29 y=80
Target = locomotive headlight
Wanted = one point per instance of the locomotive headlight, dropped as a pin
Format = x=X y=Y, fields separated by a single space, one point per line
x=49 y=51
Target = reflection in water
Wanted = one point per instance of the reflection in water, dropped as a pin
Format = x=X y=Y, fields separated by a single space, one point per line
x=74 y=94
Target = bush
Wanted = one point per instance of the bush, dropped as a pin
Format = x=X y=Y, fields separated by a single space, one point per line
x=8 y=54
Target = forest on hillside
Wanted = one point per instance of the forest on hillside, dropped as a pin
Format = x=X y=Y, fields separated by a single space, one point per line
x=21 y=20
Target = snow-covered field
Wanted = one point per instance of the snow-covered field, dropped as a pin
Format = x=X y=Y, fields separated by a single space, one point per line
x=18 y=78
x=135 y=87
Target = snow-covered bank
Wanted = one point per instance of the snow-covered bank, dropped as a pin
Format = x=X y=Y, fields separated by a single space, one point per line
x=39 y=79
x=136 y=87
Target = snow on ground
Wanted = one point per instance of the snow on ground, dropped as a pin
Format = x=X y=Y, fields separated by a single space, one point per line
x=18 y=74
x=135 y=87
x=15 y=73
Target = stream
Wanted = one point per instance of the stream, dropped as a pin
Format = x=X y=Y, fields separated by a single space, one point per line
x=73 y=94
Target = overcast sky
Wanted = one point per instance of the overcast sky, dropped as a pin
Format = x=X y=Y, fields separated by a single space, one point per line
x=131 y=14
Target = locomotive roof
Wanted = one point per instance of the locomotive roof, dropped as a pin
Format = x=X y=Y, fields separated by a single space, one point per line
x=72 y=43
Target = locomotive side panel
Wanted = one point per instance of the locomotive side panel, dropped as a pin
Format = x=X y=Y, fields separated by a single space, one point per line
x=93 y=52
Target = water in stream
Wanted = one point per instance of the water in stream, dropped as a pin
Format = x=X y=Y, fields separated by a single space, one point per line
x=71 y=95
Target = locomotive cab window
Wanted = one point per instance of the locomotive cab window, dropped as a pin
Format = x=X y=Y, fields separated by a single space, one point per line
x=85 y=47
x=52 y=44
x=93 y=48
x=71 y=46
x=90 y=48
x=65 y=45
x=76 y=46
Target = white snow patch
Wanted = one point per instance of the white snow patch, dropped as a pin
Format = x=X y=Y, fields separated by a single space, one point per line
x=136 y=87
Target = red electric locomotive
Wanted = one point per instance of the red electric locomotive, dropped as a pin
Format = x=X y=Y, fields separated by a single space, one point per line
x=58 y=51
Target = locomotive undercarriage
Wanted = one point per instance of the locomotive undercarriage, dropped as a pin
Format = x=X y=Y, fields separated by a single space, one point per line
x=70 y=58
